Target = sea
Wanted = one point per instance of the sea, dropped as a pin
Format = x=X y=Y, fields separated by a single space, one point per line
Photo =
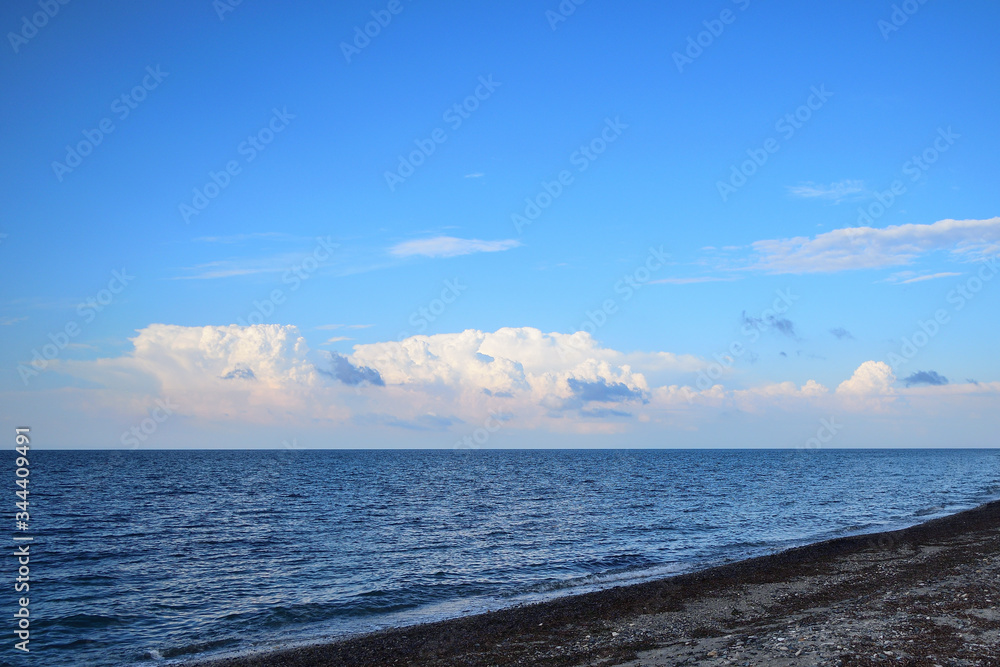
x=166 y=557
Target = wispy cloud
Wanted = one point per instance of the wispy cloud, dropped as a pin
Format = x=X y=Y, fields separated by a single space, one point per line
x=450 y=246
x=229 y=268
x=842 y=334
x=870 y=248
x=330 y=327
x=906 y=277
x=242 y=238
x=7 y=321
x=834 y=191
x=337 y=339
x=246 y=266
x=691 y=281
x=477 y=174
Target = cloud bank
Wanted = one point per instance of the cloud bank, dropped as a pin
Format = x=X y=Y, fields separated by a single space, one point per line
x=556 y=382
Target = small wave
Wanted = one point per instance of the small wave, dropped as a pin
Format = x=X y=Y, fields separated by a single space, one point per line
x=90 y=621
x=166 y=653
x=599 y=580
x=929 y=510
x=620 y=562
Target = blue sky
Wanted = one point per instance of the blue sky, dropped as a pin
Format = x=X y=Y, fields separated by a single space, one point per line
x=309 y=135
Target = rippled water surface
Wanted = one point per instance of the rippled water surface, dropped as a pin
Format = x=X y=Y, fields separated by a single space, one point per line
x=165 y=556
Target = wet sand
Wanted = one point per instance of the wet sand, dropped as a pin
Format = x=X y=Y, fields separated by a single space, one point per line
x=927 y=595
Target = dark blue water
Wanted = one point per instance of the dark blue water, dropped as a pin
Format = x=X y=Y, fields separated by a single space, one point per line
x=162 y=557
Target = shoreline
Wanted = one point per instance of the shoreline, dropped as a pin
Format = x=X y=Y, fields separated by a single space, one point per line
x=709 y=616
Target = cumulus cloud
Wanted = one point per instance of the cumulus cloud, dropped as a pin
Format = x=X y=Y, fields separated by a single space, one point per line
x=540 y=373
x=550 y=381
x=871 y=377
x=870 y=248
x=339 y=367
x=259 y=372
x=254 y=373
x=450 y=246
x=925 y=377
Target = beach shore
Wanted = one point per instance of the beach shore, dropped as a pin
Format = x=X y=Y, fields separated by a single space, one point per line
x=926 y=595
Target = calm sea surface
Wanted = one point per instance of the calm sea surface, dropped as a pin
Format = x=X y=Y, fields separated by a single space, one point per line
x=161 y=557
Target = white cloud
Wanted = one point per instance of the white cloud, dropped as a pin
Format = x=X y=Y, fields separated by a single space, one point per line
x=229 y=268
x=870 y=248
x=450 y=246
x=544 y=382
x=258 y=373
x=241 y=238
x=835 y=191
x=871 y=377
x=325 y=327
x=691 y=281
x=870 y=388
x=216 y=372
x=907 y=277
x=477 y=174
x=538 y=367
